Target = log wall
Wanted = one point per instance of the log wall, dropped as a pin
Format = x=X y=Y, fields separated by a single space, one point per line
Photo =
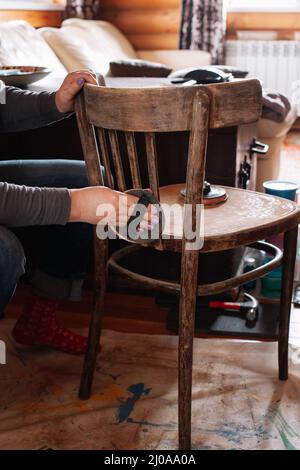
x=148 y=24
x=154 y=24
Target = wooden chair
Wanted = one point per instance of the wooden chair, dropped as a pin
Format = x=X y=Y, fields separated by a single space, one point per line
x=244 y=219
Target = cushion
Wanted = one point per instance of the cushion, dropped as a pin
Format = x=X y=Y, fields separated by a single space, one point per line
x=73 y=52
x=138 y=68
x=103 y=35
x=21 y=44
x=88 y=44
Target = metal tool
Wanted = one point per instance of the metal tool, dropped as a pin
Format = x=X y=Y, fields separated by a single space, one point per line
x=247 y=309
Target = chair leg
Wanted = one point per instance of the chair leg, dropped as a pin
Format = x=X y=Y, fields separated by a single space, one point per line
x=187 y=305
x=289 y=255
x=100 y=250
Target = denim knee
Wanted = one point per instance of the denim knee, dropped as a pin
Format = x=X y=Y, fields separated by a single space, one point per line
x=12 y=260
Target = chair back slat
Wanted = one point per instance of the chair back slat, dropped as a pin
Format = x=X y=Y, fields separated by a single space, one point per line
x=117 y=161
x=105 y=157
x=197 y=146
x=133 y=159
x=152 y=163
x=88 y=141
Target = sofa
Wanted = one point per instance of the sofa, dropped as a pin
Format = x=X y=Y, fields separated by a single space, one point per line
x=81 y=44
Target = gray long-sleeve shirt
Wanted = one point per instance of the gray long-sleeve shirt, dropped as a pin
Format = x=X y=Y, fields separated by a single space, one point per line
x=21 y=205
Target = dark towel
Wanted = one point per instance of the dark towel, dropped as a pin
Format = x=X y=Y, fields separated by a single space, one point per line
x=275 y=106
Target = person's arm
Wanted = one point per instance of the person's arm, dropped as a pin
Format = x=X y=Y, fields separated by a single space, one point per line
x=24 y=110
x=25 y=206
x=22 y=206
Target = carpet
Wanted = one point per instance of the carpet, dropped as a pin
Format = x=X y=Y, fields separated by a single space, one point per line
x=238 y=402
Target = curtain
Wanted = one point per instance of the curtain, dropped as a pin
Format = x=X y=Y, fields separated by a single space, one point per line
x=203 y=27
x=87 y=9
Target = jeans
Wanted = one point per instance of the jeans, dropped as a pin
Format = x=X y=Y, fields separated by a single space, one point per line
x=62 y=252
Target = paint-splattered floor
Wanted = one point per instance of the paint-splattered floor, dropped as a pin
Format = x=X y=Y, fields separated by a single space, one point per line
x=238 y=403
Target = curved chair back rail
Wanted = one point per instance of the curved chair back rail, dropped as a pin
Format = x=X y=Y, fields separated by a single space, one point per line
x=170 y=108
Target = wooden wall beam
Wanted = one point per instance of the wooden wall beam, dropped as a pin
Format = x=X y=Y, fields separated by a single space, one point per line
x=285 y=24
x=144 y=21
x=37 y=18
x=118 y=5
x=153 y=41
x=148 y=24
x=154 y=24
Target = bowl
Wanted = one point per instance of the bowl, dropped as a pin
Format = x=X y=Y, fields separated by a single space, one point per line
x=21 y=76
x=285 y=189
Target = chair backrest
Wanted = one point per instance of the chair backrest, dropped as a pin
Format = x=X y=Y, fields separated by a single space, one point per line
x=104 y=113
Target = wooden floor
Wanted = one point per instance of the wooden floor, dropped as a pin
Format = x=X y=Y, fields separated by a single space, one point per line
x=123 y=312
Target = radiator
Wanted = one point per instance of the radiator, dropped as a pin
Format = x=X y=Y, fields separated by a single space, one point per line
x=276 y=63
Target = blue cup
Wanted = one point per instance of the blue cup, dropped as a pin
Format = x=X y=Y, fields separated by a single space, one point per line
x=285 y=189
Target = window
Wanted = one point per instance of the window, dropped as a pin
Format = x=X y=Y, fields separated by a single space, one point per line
x=263 y=5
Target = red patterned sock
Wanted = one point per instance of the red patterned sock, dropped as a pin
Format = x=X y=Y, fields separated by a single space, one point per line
x=37 y=326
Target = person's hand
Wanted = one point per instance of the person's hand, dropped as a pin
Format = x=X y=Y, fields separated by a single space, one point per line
x=99 y=204
x=72 y=84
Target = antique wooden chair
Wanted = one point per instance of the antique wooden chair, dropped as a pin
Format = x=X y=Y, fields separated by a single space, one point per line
x=247 y=217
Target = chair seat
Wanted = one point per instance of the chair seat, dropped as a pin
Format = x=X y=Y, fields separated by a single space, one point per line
x=245 y=217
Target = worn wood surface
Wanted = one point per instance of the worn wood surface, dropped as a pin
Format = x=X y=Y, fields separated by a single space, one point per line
x=169 y=108
x=116 y=263
x=87 y=137
x=290 y=249
x=100 y=281
x=133 y=159
x=245 y=217
x=116 y=156
x=187 y=306
x=238 y=102
x=105 y=157
x=152 y=163
x=189 y=265
x=95 y=177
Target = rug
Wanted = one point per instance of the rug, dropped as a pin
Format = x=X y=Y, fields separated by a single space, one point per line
x=238 y=402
